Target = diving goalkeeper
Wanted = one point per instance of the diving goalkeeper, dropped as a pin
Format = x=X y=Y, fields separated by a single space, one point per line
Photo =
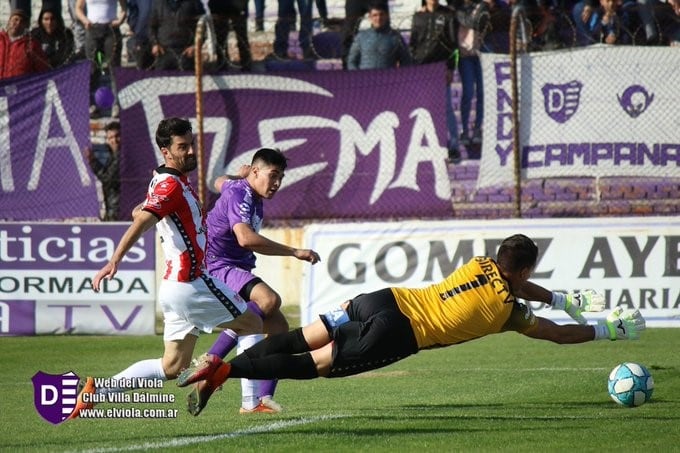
x=379 y=328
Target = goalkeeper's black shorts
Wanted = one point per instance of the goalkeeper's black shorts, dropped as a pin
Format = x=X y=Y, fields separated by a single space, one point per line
x=376 y=335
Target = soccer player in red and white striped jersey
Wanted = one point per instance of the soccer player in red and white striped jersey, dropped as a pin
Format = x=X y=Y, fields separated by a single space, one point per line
x=192 y=302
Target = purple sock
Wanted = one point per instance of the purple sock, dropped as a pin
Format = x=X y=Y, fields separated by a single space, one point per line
x=268 y=387
x=225 y=342
x=252 y=306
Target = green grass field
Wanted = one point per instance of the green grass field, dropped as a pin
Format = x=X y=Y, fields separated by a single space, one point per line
x=500 y=393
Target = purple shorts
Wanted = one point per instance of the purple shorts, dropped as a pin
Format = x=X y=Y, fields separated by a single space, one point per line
x=239 y=280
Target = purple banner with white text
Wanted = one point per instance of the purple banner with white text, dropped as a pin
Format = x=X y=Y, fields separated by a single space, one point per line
x=360 y=144
x=44 y=126
x=46 y=272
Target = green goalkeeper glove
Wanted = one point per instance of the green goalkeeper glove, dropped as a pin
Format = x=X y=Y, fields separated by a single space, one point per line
x=575 y=303
x=624 y=325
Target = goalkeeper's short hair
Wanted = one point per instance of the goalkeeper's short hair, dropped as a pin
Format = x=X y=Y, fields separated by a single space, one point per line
x=517 y=252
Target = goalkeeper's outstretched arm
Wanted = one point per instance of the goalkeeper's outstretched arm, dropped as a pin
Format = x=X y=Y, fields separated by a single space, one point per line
x=546 y=329
x=619 y=325
x=575 y=303
x=533 y=292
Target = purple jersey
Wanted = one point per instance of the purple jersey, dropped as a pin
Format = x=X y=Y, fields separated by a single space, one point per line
x=237 y=204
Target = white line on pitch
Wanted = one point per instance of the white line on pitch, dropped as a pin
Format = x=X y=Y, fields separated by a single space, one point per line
x=534 y=369
x=184 y=441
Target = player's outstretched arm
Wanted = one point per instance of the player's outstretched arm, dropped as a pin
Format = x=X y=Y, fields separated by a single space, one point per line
x=242 y=173
x=562 y=334
x=619 y=325
x=533 y=292
x=143 y=221
x=136 y=210
x=307 y=255
x=575 y=303
x=255 y=242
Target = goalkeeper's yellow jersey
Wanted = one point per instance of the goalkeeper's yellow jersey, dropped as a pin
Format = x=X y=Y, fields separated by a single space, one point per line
x=471 y=302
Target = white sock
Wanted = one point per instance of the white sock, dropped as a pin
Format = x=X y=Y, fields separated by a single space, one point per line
x=250 y=388
x=144 y=369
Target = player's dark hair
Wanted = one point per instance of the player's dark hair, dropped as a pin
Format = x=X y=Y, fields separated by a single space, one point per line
x=56 y=16
x=170 y=127
x=270 y=157
x=517 y=252
x=380 y=5
x=112 y=126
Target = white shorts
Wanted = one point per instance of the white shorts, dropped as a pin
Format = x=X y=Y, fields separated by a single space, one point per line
x=197 y=306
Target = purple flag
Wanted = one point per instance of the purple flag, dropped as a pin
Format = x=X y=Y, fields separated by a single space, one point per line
x=43 y=173
x=360 y=144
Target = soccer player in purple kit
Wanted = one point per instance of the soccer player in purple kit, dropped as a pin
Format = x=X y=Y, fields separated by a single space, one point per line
x=233 y=239
x=191 y=300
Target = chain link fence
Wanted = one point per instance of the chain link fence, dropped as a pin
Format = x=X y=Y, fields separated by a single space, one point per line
x=585 y=132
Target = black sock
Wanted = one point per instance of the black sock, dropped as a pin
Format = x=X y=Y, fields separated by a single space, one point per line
x=292 y=342
x=275 y=366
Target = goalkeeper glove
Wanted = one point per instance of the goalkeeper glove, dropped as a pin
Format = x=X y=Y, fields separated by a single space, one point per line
x=623 y=325
x=576 y=303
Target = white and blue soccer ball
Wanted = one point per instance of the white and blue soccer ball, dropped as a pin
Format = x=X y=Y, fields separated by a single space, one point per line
x=630 y=384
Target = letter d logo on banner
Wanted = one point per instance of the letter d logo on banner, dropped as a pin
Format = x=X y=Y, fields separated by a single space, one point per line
x=561 y=100
x=54 y=395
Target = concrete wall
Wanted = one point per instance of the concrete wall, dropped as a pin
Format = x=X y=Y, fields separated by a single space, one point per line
x=284 y=274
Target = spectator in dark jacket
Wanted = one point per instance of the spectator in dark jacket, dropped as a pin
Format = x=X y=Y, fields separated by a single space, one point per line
x=139 y=15
x=473 y=21
x=171 y=32
x=355 y=10
x=107 y=170
x=380 y=46
x=55 y=39
x=670 y=24
x=232 y=15
x=434 y=38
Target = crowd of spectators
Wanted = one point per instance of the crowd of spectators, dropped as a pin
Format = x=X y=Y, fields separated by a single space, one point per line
x=160 y=33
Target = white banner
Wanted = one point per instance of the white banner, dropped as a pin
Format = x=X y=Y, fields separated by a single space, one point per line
x=95 y=316
x=46 y=272
x=76 y=285
x=596 y=111
x=634 y=262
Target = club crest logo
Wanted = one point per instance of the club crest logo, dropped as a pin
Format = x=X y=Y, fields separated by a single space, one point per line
x=54 y=395
x=635 y=100
x=561 y=101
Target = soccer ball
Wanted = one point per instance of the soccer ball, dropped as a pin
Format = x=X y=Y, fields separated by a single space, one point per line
x=630 y=384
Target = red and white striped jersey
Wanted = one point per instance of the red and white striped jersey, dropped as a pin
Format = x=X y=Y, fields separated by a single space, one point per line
x=182 y=227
